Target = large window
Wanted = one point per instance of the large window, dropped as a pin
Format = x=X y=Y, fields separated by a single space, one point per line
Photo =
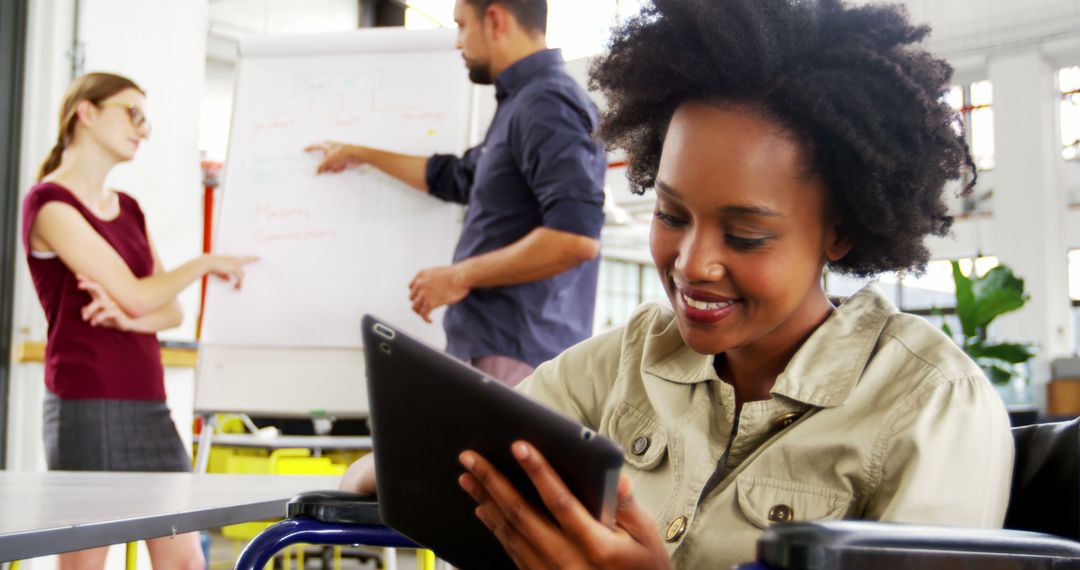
x=931 y=295
x=624 y=285
x=1069 y=83
x=974 y=103
x=1074 y=293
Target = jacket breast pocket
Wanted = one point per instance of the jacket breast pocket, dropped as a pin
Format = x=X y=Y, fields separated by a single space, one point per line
x=641 y=437
x=767 y=501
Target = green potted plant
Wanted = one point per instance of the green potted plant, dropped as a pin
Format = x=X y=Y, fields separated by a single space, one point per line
x=980 y=300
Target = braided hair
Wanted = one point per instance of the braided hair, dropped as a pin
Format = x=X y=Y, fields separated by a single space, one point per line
x=93 y=87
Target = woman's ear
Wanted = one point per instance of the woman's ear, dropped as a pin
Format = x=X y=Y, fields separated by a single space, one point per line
x=86 y=112
x=837 y=243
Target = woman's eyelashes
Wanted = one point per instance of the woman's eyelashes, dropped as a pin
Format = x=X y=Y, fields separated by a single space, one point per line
x=746 y=244
x=736 y=241
x=669 y=220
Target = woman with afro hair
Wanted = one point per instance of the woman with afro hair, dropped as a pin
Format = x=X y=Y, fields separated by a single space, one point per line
x=780 y=137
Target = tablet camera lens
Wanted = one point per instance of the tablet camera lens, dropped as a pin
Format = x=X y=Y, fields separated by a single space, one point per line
x=384 y=331
x=384 y=348
x=586 y=434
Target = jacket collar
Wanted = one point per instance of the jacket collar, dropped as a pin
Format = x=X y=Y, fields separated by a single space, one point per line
x=823 y=371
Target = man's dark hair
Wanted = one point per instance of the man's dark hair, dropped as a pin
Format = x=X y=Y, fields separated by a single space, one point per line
x=531 y=14
x=846 y=81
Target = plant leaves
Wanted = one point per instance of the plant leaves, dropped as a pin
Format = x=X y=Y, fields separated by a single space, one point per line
x=996 y=371
x=996 y=293
x=945 y=328
x=1011 y=352
x=979 y=300
x=965 y=300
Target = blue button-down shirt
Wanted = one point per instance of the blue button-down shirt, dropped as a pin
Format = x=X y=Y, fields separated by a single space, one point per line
x=541 y=165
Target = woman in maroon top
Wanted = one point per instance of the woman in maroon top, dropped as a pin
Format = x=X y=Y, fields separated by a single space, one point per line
x=105 y=295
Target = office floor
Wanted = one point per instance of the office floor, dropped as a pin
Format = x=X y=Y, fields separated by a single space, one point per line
x=223 y=554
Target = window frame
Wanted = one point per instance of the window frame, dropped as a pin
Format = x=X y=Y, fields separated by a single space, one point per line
x=13 y=22
x=1069 y=97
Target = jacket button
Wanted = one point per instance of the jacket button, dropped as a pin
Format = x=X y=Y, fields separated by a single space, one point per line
x=784 y=420
x=640 y=445
x=781 y=513
x=675 y=529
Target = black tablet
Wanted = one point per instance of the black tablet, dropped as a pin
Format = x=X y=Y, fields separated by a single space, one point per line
x=427 y=407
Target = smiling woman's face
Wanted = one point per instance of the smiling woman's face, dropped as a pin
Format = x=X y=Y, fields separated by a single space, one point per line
x=740 y=233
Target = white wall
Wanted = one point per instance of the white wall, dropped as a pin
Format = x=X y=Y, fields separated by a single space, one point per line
x=50 y=31
x=1030 y=202
x=979 y=29
x=161 y=44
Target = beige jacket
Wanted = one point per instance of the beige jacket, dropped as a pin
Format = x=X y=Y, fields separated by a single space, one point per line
x=878 y=416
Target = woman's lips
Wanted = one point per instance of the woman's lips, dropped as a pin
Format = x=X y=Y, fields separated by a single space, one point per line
x=705 y=308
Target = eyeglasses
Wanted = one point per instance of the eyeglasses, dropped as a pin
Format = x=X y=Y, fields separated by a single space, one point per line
x=134 y=113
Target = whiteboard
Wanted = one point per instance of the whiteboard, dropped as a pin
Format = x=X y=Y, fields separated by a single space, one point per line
x=331 y=247
x=269 y=381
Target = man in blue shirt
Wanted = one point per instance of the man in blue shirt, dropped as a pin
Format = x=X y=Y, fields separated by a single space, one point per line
x=522 y=287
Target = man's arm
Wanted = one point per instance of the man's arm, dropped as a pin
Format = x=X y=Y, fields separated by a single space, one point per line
x=407 y=168
x=541 y=254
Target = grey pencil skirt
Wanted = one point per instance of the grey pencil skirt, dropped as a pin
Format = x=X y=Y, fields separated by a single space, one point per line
x=111 y=435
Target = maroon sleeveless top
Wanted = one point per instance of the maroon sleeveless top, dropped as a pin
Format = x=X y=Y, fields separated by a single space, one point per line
x=81 y=361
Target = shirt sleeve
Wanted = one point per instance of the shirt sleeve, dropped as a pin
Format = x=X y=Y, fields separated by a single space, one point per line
x=578 y=382
x=946 y=458
x=450 y=177
x=35 y=200
x=562 y=162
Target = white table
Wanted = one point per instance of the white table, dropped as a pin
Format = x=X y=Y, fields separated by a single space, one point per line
x=61 y=511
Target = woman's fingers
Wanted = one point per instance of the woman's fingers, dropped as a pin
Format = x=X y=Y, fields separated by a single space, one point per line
x=231 y=269
x=91 y=287
x=104 y=317
x=635 y=519
x=521 y=551
x=558 y=499
x=473 y=487
x=599 y=545
x=93 y=307
x=110 y=316
x=578 y=540
x=488 y=512
x=512 y=509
